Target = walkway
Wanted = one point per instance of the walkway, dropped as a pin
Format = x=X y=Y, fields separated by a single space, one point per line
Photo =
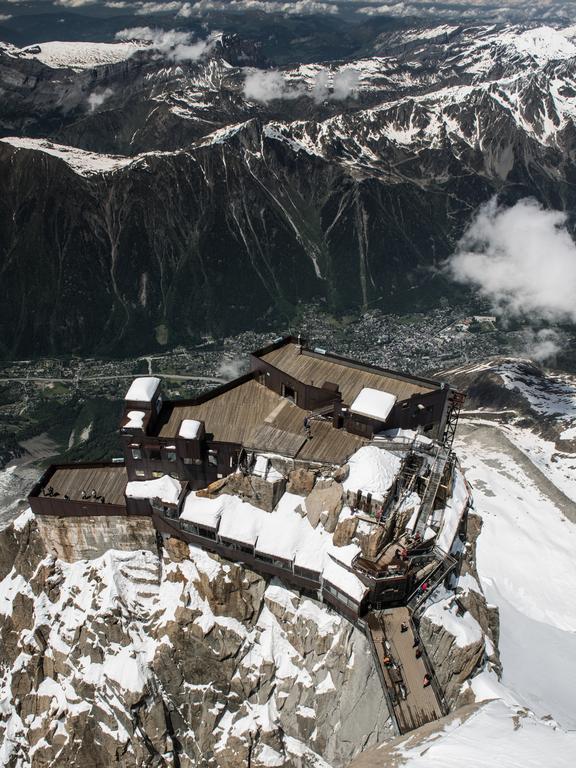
x=413 y=704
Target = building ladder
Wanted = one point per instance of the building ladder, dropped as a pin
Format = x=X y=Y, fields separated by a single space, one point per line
x=431 y=490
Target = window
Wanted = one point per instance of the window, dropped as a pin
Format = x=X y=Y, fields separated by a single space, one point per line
x=136 y=453
x=140 y=473
x=170 y=455
x=157 y=474
x=154 y=452
x=213 y=458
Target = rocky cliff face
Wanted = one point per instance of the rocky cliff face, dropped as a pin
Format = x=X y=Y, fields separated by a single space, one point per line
x=459 y=629
x=133 y=659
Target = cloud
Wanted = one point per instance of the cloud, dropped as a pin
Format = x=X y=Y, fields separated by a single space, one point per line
x=231 y=367
x=295 y=8
x=145 y=9
x=174 y=44
x=5 y=16
x=542 y=345
x=97 y=98
x=522 y=259
x=345 y=84
x=266 y=85
x=481 y=10
x=75 y=3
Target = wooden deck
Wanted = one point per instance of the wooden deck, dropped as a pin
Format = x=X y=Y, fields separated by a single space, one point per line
x=107 y=481
x=414 y=705
x=316 y=370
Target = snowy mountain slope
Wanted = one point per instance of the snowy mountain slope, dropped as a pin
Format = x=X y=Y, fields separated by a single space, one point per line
x=346 y=196
x=535 y=411
x=78 y=56
x=493 y=734
x=525 y=559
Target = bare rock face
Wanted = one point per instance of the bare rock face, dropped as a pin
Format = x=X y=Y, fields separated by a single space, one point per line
x=132 y=659
x=75 y=538
x=255 y=490
x=455 y=645
x=341 y=473
x=301 y=481
x=324 y=504
x=345 y=532
x=372 y=542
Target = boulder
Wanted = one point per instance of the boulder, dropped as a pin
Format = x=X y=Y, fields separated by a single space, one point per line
x=372 y=542
x=325 y=502
x=345 y=531
x=341 y=473
x=255 y=490
x=301 y=481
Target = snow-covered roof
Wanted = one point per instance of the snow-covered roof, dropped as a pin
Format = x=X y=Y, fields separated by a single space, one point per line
x=372 y=470
x=189 y=429
x=343 y=580
x=240 y=521
x=203 y=511
x=373 y=403
x=142 y=389
x=453 y=512
x=282 y=535
x=165 y=488
x=345 y=555
x=135 y=419
x=264 y=469
x=406 y=434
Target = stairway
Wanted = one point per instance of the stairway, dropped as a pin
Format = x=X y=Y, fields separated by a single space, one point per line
x=429 y=497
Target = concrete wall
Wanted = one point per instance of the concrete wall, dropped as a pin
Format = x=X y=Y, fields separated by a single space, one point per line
x=84 y=538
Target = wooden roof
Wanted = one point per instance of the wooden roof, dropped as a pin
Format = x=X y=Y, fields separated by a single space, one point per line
x=316 y=369
x=108 y=481
x=230 y=416
x=254 y=416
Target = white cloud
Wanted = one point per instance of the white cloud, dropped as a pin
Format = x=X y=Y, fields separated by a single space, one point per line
x=295 y=8
x=5 y=16
x=521 y=258
x=75 y=3
x=265 y=85
x=176 y=45
x=345 y=84
x=97 y=98
x=145 y=9
x=542 y=345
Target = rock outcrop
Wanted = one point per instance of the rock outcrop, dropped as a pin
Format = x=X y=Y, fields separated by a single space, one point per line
x=324 y=504
x=76 y=538
x=455 y=645
x=132 y=659
x=460 y=632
